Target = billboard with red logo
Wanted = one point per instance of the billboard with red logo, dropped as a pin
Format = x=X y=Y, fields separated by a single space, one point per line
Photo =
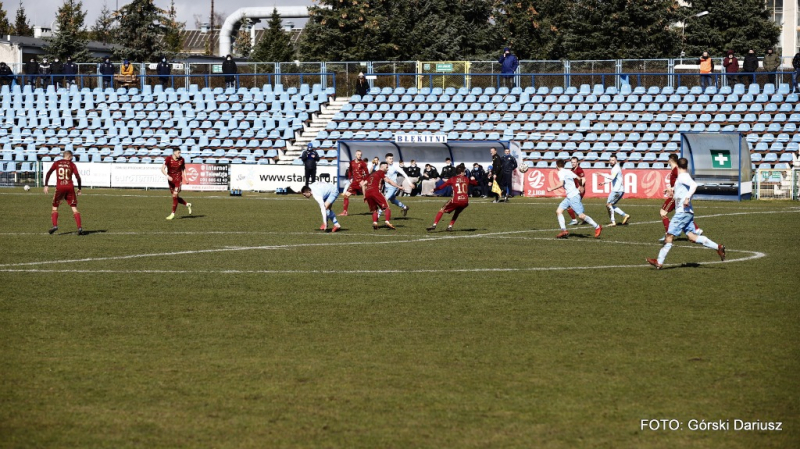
x=206 y=177
x=638 y=183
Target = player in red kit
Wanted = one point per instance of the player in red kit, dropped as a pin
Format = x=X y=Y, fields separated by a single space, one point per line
x=174 y=169
x=580 y=183
x=358 y=172
x=374 y=197
x=64 y=169
x=460 y=200
x=669 y=203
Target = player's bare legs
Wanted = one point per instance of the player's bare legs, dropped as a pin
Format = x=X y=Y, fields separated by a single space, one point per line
x=694 y=238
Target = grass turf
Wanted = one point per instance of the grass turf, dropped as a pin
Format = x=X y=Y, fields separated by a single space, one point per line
x=246 y=327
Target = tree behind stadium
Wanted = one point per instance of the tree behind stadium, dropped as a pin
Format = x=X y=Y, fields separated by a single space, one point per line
x=737 y=25
x=275 y=45
x=69 y=38
x=142 y=27
x=5 y=26
x=104 y=27
x=535 y=29
x=21 y=25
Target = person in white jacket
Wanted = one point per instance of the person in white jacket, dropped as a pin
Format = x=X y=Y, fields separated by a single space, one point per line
x=325 y=194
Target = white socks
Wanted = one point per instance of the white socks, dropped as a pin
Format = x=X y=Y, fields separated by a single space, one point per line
x=561 y=222
x=663 y=253
x=589 y=220
x=705 y=241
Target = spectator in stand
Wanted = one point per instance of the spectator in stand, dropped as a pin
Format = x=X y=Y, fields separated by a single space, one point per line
x=749 y=67
x=126 y=74
x=362 y=86
x=414 y=174
x=230 y=71
x=796 y=73
x=31 y=72
x=164 y=71
x=45 y=72
x=771 y=64
x=508 y=65
x=107 y=72
x=448 y=171
x=706 y=70
x=429 y=178
x=310 y=157
x=479 y=174
x=509 y=165
x=6 y=75
x=731 y=65
x=497 y=173
x=57 y=69
x=70 y=70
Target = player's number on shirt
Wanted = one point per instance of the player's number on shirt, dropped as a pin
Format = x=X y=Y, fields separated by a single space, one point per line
x=460 y=188
x=64 y=174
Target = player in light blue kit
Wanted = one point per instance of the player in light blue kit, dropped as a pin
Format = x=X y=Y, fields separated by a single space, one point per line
x=571 y=183
x=391 y=191
x=683 y=221
x=325 y=194
x=617 y=191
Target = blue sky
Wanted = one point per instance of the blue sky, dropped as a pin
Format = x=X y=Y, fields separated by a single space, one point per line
x=43 y=12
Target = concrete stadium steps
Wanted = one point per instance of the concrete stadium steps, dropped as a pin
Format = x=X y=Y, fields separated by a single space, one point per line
x=309 y=133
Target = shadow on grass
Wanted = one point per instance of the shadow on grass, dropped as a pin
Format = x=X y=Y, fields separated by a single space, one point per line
x=75 y=232
x=185 y=217
x=685 y=265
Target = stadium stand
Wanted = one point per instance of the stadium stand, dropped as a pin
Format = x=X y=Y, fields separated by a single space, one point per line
x=106 y=125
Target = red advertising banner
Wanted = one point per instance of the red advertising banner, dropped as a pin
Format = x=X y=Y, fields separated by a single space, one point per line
x=206 y=177
x=638 y=183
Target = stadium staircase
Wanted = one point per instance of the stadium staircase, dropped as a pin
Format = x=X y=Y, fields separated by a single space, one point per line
x=310 y=131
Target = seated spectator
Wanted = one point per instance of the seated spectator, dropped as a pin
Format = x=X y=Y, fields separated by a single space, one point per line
x=6 y=75
x=414 y=173
x=479 y=174
x=401 y=179
x=448 y=171
x=429 y=178
x=126 y=74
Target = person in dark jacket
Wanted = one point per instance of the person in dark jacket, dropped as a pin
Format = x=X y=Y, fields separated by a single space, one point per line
x=70 y=70
x=749 y=67
x=107 y=71
x=429 y=178
x=509 y=165
x=771 y=64
x=44 y=72
x=164 y=71
x=6 y=75
x=731 y=65
x=310 y=157
x=508 y=65
x=230 y=71
x=57 y=69
x=796 y=72
x=479 y=174
x=32 y=72
x=490 y=182
x=497 y=172
x=362 y=86
x=448 y=171
x=414 y=174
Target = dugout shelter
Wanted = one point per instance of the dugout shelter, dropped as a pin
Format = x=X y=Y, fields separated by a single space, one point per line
x=720 y=163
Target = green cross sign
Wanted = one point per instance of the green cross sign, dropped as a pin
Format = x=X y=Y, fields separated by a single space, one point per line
x=721 y=159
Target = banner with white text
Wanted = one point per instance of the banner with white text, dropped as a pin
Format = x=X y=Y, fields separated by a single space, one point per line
x=92 y=174
x=638 y=183
x=268 y=178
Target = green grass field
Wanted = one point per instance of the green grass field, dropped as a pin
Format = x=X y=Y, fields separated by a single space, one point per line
x=244 y=326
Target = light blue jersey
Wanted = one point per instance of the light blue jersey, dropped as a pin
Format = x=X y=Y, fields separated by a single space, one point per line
x=685 y=187
x=324 y=192
x=392 y=191
x=394 y=169
x=617 y=184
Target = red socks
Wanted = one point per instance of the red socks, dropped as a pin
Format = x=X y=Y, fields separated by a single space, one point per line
x=438 y=217
x=571 y=213
x=665 y=220
x=77 y=220
x=181 y=201
x=456 y=214
x=174 y=204
x=54 y=217
x=375 y=216
x=388 y=213
x=346 y=203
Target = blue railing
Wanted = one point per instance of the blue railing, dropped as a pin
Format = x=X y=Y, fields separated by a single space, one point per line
x=180 y=80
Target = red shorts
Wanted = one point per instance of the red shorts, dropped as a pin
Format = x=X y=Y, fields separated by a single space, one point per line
x=65 y=194
x=175 y=184
x=451 y=206
x=669 y=204
x=354 y=188
x=375 y=202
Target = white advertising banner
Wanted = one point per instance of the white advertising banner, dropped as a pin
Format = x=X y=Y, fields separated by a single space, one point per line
x=137 y=175
x=266 y=178
x=92 y=174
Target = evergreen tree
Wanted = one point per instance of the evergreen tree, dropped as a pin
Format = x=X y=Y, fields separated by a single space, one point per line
x=21 y=25
x=622 y=29
x=243 y=45
x=275 y=45
x=103 y=29
x=69 y=38
x=737 y=25
x=142 y=27
x=535 y=29
x=5 y=25
x=173 y=38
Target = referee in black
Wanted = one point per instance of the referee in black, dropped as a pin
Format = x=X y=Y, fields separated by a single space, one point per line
x=310 y=157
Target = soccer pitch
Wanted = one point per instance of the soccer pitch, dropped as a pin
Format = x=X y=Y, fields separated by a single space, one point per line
x=245 y=326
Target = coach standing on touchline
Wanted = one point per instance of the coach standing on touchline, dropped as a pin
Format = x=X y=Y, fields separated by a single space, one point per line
x=310 y=157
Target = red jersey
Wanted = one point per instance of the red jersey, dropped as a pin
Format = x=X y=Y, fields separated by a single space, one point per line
x=673 y=177
x=374 y=183
x=460 y=184
x=580 y=174
x=175 y=167
x=358 y=171
x=64 y=171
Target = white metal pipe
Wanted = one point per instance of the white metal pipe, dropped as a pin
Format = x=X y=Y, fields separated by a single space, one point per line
x=229 y=27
